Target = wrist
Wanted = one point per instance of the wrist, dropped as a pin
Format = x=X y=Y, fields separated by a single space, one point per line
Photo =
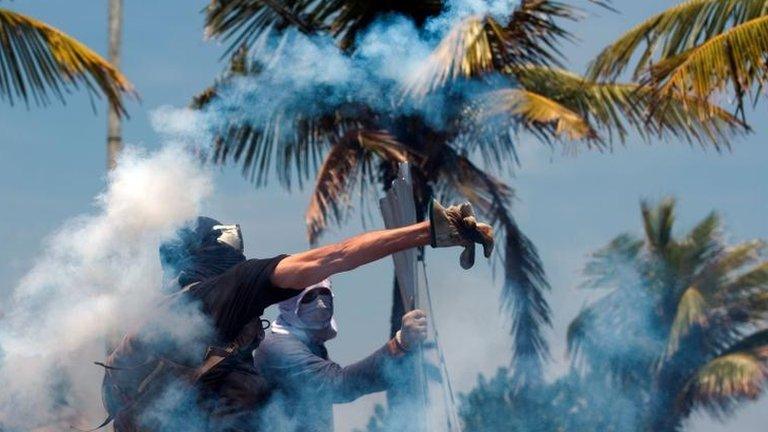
x=399 y=340
x=395 y=348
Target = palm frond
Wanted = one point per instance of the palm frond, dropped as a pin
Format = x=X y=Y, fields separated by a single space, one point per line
x=348 y=18
x=38 y=61
x=291 y=144
x=750 y=281
x=533 y=33
x=238 y=65
x=524 y=279
x=756 y=342
x=736 y=56
x=691 y=311
x=726 y=380
x=475 y=46
x=604 y=339
x=700 y=245
x=673 y=32
x=480 y=45
x=730 y=261
x=243 y=22
x=611 y=265
x=612 y=108
x=349 y=159
x=580 y=343
x=657 y=223
x=539 y=114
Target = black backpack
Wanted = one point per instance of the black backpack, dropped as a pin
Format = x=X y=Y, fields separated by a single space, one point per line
x=221 y=382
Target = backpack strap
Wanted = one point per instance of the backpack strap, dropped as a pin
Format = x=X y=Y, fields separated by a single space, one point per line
x=253 y=331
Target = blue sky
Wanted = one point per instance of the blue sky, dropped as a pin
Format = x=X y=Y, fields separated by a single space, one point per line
x=52 y=165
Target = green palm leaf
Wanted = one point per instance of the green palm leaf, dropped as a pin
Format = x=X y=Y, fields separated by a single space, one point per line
x=540 y=114
x=736 y=56
x=673 y=32
x=38 y=61
x=610 y=109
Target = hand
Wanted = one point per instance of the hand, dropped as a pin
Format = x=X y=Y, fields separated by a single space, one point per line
x=457 y=226
x=413 y=330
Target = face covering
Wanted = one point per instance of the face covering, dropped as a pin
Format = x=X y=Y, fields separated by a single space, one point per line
x=312 y=320
x=316 y=314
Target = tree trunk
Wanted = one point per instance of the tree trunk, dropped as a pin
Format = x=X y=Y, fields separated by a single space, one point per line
x=114 y=133
x=114 y=130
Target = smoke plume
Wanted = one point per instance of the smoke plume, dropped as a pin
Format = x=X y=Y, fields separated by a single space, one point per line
x=96 y=275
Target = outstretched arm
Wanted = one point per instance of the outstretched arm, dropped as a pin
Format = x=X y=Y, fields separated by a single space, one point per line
x=310 y=267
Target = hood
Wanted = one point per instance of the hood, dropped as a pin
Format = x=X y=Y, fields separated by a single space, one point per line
x=196 y=253
x=288 y=321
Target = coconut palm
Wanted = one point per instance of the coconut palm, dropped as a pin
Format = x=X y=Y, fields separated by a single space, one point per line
x=701 y=47
x=682 y=326
x=39 y=62
x=354 y=145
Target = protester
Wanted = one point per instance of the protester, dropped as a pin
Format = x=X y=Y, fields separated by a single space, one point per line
x=294 y=360
x=205 y=266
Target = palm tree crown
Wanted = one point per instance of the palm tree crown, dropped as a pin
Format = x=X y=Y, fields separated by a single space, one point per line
x=683 y=323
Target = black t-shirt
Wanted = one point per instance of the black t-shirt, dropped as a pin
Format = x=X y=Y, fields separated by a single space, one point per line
x=237 y=296
x=231 y=390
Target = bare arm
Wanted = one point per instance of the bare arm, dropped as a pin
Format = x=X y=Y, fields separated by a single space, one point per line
x=306 y=268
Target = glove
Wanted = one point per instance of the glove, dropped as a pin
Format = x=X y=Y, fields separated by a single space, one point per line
x=413 y=330
x=457 y=226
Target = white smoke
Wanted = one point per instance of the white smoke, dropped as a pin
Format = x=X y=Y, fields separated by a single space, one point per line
x=97 y=274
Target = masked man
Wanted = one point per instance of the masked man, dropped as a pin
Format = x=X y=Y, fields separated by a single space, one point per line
x=205 y=267
x=294 y=360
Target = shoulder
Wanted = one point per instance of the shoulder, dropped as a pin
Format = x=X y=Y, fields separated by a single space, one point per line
x=279 y=351
x=265 y=266
x=276 y=342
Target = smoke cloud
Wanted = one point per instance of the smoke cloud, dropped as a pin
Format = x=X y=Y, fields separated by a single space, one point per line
x=97 y=274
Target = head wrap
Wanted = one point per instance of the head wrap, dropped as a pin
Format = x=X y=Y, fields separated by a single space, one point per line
x=197 y=252
x=289 y=321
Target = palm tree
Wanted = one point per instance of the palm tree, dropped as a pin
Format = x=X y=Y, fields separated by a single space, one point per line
x=682 y=326
x=701 y=47
x=354 y=145
x=39 y=62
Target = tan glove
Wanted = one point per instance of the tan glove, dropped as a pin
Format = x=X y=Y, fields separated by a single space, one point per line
x=457 y=226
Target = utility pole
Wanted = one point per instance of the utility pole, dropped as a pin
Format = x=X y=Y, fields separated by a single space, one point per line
x=114 y=130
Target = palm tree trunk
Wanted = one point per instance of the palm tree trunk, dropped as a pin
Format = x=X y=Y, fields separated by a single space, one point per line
x=114 y=129
x=114 y=133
